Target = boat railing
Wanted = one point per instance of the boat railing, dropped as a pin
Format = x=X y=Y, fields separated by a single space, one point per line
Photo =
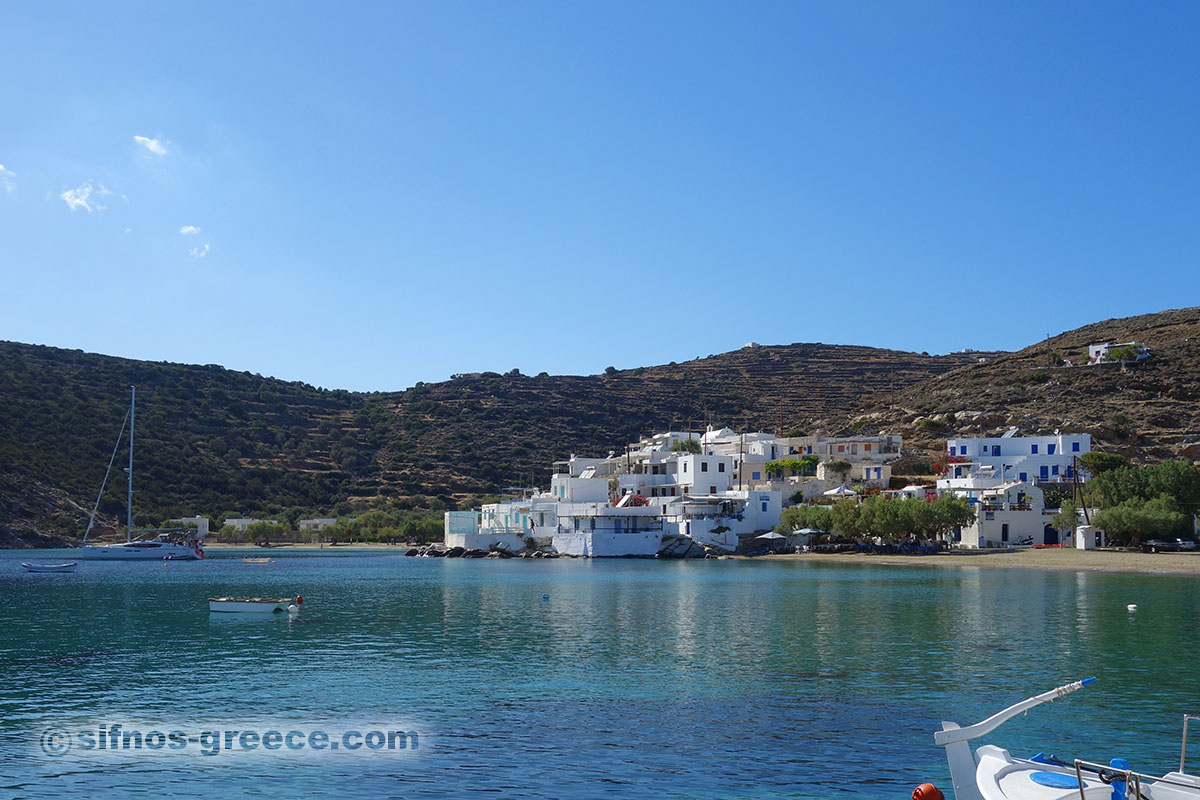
x=1110 y=774
x=1133 y=780
x=1183 y=744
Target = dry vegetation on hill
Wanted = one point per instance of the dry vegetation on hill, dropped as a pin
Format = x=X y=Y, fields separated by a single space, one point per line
x=1148 y=411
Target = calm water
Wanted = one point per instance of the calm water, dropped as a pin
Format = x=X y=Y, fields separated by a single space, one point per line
x=634 y=679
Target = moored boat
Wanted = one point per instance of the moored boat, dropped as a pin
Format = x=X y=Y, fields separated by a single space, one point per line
x=251 y=560
x=255 y=605
x=68 y=566
x=168 y=544
x=992 y=773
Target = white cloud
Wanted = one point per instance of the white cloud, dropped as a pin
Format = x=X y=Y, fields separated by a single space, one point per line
x=6 y=178
x=84 y=196
x=199 y=252
x=153 y=145
x=188 y=230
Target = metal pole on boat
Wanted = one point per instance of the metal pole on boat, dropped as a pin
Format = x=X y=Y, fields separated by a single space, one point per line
x=129 y=497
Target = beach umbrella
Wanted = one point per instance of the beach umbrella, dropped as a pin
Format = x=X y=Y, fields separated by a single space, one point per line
x=771 y=538
x=840 y=491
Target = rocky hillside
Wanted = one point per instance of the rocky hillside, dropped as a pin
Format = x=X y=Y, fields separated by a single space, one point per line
x=218 y=442
x=1148 y=411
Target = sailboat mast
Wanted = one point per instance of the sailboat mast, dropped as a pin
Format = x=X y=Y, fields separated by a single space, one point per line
x=129 y=499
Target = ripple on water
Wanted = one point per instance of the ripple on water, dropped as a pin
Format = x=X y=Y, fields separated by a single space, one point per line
x=634 y=679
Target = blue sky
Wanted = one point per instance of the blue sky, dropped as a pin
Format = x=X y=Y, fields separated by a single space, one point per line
x=363 y=196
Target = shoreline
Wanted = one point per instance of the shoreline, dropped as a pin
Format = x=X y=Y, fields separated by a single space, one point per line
x=1047 y=559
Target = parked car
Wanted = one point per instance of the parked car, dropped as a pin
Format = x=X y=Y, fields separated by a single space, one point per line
x=1167 y=545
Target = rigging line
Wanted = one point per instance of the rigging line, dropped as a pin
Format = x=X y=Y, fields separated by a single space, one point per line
x=112 y=458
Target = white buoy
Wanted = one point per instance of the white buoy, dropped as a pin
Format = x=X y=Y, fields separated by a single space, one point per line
x=1131 y=607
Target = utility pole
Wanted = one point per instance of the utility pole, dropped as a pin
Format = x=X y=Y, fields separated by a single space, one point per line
x=1077 y=490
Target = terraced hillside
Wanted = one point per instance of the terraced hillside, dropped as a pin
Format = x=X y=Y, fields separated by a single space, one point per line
x=1147 y=411
x=218 y=442
x=472 y=434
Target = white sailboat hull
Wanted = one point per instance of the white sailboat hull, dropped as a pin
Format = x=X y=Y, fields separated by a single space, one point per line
x=138 y=551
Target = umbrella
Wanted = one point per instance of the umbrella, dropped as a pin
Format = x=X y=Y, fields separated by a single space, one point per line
x=771 y=538
x=840 y=491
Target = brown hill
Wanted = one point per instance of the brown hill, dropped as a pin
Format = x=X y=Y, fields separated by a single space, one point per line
x=472 y=434
x=1147 y=411
x=219 y=442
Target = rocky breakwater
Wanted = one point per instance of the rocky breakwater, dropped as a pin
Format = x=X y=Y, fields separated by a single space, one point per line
x=441 y=551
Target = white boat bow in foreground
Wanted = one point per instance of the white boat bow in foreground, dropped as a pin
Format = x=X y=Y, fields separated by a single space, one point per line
x=992 y=773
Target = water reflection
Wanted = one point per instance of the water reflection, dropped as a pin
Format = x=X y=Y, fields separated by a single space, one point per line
x=632 y=678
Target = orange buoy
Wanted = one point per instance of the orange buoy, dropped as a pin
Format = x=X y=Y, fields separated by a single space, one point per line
x=927 y=791
x=299 y=599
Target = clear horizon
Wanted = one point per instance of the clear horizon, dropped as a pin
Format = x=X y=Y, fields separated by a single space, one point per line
x=367 y=197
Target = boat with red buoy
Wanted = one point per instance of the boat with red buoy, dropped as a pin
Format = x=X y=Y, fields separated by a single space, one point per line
x=992 y=773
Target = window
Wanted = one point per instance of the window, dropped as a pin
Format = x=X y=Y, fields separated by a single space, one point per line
x=764 y=507
x=1004 y=532
x=962 y=450
x=1074 y=447
x=704 y=466
x=721 y=467
x=1033 y=449
x=867 y=448
x=1050 y=449
x=841 y=448
x=685 y=466
x=1024 y=476
x=712 y=490
x=1054 y=470
x=754 y=476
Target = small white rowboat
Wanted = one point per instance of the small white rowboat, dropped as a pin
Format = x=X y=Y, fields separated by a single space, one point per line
x=65 y=567
x=255 y=605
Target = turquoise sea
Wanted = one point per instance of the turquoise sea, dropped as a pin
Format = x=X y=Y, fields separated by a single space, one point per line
x=630 y=679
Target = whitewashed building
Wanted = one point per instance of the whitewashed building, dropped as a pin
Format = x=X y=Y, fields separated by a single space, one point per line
x=1041 y=459
x=1007 y=515
x=240 y=524
x=657 y=496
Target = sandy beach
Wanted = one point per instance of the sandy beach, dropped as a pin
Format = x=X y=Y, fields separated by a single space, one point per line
x=1052 y=558
x=1032 y=558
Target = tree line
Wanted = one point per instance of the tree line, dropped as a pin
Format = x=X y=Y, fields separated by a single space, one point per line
x=891 y=519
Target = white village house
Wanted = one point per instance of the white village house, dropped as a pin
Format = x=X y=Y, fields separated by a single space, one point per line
x=1043 y=459
x=660 y=496
x=998 y=476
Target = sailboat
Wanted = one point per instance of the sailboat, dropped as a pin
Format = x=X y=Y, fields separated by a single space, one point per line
x=168 y=544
